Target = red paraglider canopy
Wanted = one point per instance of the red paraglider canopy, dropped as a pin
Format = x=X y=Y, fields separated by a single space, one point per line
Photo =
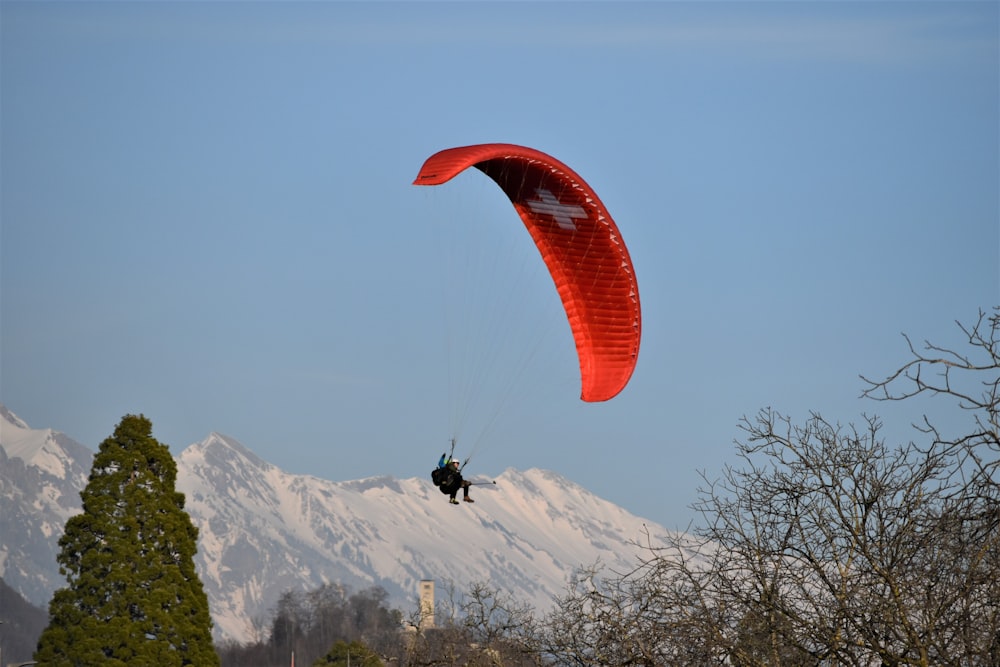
x=581 y=247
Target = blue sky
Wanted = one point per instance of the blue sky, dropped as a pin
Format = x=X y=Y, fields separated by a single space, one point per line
x=208 y=218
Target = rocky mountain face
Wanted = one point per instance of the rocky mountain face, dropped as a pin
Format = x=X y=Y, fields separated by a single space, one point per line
x=263 y=531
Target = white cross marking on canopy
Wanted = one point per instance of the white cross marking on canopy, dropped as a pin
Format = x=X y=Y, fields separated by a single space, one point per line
x=563 y=214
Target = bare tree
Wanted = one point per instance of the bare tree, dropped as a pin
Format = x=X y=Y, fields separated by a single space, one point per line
x=822 y=545
x=503 y=630
x=971 y=378
x=648 y=616
x=969 y=523
x=446 y=642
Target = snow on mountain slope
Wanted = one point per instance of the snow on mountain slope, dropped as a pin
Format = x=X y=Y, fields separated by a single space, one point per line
x=525 y=534
x=50 y=451
x=263 y=531
x=41 y=474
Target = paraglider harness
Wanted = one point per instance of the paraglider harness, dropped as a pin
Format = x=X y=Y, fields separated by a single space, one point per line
x=444 y=477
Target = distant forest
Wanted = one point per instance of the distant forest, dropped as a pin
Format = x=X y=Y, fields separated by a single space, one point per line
x=309 y=624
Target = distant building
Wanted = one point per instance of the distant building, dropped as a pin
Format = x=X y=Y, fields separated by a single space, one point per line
x=426 y=603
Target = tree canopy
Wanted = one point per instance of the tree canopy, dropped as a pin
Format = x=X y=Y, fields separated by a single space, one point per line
x=133 y=596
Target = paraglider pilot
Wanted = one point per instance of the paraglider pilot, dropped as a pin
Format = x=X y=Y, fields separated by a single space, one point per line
x=448 y=477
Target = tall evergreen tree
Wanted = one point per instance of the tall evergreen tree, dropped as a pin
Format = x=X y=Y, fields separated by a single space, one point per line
x=134 y=597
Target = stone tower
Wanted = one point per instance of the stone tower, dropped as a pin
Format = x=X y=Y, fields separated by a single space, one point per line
x=426 y=603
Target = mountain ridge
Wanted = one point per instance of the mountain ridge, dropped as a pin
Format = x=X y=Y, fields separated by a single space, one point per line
x=263 y=531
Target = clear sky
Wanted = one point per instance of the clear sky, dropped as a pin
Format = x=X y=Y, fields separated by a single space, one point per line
x=208 y=218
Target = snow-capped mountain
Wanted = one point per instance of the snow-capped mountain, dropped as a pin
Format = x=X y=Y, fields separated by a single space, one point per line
x=41 y=475
x=263 y=531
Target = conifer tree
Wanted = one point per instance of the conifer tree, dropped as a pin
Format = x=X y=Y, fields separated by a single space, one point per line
x=133 y=597
x=345 y=654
